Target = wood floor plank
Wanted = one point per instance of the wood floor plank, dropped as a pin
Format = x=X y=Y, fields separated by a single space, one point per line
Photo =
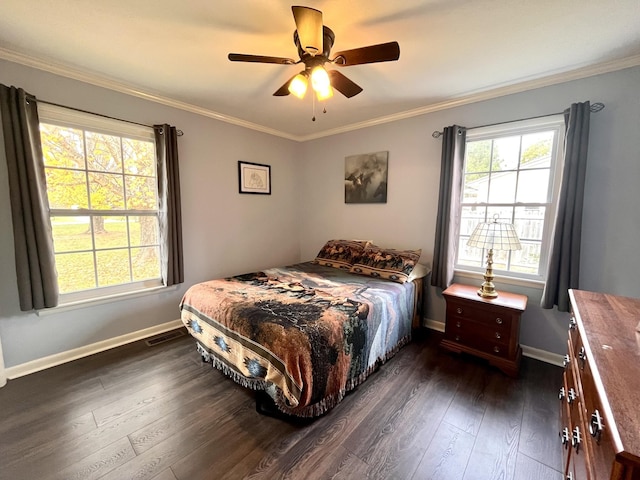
x=166 y=453
x=541 y=422
x=447 y=455
x=98 y=464
x=469 y=404
x=165 y=475
x=495 y=451
x=392 y=439
x=530 y=469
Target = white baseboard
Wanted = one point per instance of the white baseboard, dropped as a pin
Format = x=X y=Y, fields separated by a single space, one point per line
x=64 y=357
x=531 y=352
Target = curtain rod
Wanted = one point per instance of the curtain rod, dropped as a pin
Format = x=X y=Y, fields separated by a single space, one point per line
x=179 y=132
x=595 y=107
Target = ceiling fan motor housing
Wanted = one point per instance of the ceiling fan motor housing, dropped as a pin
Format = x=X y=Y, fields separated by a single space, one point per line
x=328 y=37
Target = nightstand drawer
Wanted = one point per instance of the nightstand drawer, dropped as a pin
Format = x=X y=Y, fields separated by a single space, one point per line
x=498 y=333
x=467 y=311
x=470 y=339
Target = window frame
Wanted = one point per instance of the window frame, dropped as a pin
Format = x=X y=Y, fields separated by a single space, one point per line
x=65 y=117
x=522 y=127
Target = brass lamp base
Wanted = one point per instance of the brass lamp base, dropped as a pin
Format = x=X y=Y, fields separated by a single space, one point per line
x=488 y=289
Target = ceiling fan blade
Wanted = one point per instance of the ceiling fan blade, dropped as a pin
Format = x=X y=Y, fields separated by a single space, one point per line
x=384 y=52
x=309 y=27
x=345 y=86
x=240 y=57
x=284 y=89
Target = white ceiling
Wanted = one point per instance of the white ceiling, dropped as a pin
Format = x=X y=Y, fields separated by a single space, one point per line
x=451 y=51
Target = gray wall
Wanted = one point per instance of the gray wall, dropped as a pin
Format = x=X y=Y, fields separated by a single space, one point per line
x=224 y=232
x=227 y=233
x=611 y=228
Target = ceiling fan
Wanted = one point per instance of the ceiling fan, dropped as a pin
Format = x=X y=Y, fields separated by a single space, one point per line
x=314 y=41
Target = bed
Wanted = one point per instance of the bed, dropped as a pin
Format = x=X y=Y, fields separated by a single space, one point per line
x=308 y=333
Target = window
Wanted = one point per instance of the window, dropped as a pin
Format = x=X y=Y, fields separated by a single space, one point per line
x=513 y=171
x=103 y=199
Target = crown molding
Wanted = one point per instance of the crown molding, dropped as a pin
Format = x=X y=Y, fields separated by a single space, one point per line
x=481 y=95
x=473 y=97
x=121 y=87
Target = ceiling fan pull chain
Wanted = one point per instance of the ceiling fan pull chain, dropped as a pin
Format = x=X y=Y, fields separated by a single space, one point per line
x=313 y=100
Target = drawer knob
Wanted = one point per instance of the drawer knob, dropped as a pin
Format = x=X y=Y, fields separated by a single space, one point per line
x=566 y=361
x=576 y=439
x=570 y=476
x=564 y=437
x=459 y=310
x=457 y=338
x=596 y=426
x=562 y=394
x=498 y=336
x=499 y=321
x=573 y=324
x=496 y=349
x=571 y=396
x=458 y=324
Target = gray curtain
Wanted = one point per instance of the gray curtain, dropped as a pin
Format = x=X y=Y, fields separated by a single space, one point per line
x=564 y=263
x=170 y=210
x=35 y=262
x=448 y=223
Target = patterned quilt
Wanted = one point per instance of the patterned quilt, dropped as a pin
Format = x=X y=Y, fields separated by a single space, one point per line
x=305 y=333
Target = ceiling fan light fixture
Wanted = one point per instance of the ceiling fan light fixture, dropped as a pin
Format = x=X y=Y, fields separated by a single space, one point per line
x=324 y=94
x=298 y=86
x=320 y=79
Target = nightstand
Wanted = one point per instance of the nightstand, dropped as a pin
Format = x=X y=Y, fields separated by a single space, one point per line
x=485 y=327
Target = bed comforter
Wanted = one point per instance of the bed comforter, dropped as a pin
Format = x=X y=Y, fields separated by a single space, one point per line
x=306 y=333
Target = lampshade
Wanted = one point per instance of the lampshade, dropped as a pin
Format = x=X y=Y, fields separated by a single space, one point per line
x=320 y=79
x=493 y=236
x=298 y=86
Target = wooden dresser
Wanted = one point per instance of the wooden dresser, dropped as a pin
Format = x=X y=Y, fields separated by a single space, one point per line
x=600 y=398
x=485 y=327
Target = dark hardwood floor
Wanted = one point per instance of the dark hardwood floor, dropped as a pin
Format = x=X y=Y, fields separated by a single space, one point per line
x=139 y=412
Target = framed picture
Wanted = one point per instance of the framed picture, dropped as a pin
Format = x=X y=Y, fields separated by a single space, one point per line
x=365 y=178
x=254 y=178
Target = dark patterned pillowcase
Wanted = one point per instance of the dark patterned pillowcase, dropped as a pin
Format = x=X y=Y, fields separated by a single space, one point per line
x=395 y=265
x=341 y=253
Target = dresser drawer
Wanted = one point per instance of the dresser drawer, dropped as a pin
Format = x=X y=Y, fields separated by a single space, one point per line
x=596 y=423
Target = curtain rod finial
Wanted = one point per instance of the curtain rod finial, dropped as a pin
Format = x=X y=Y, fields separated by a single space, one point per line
x=436 y=134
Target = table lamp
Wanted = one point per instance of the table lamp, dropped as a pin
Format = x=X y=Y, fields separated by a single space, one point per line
x=493 y=236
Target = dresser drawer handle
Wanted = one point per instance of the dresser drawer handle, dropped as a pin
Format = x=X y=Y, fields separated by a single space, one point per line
x=499 y=321
x=582 y=356
x=573 y=324
x=457 y=338
x=562 y=394
x=564 y=437
x=571 y=396
x=596 y=426
x=498 y=336
x=459 y=310
x=496 y=349
x=458 y=324
x=566 y=361
x=576 y=439
x=569 y=476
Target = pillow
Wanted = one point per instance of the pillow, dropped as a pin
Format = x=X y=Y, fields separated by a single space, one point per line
x=395 y=265
x=420 y=271
x=341 y=253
